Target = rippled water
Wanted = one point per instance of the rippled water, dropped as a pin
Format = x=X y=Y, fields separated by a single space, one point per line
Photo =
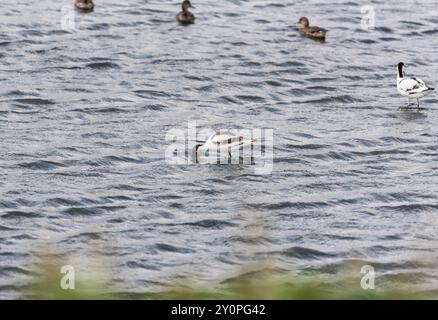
x=84 y=115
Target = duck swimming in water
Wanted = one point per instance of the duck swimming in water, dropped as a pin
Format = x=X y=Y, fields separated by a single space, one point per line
x=84 y=5
x=220 y=147
x=185 y=16
x=311 y=32
x=411 y=87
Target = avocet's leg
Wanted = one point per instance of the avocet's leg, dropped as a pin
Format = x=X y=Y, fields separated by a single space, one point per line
x=418 y=103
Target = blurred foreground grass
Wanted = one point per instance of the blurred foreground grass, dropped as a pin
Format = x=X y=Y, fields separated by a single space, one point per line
x=250 y=285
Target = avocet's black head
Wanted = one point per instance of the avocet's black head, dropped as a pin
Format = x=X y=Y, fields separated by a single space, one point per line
x=400 y=67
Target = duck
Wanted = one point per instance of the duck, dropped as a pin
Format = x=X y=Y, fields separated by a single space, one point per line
x=185 y=16
x=311 y=32
x=220 y=146
x=411 y=87
x=84 y=5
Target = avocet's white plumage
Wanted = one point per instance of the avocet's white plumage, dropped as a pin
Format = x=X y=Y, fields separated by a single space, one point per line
x=220 y=146
x=227 y=139
x=411 y=87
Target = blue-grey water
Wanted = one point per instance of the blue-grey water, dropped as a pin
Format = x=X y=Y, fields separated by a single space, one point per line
x=85 y=108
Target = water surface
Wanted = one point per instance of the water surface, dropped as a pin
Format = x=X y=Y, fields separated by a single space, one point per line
x=84 y=114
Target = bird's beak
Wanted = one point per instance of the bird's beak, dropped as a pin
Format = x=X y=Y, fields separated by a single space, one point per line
x=192 y=7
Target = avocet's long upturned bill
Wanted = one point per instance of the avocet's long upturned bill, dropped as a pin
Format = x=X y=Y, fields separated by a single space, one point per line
x=411 y=87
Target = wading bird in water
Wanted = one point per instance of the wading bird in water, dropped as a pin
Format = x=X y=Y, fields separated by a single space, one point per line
x=411 y=87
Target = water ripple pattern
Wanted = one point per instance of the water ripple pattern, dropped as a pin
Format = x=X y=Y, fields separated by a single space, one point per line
x=84 y=115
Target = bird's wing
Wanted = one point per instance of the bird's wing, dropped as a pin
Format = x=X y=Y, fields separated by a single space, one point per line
x=226 y=139
x=317 y=30
x=216 y=138
x=221 y=137
x=412 y=85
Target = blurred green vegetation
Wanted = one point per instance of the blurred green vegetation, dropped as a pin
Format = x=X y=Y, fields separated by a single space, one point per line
x=249 y=285
x=46 y=284
x=294 y=289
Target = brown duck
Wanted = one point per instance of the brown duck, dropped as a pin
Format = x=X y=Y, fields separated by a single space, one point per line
x=311 y=32
x=185 y=16
x=84 y=5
